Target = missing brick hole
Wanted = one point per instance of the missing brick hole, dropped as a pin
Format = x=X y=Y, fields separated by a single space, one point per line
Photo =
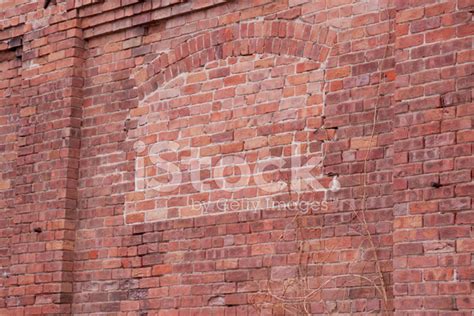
x=38 y=230
x=47 y=3
x=436 y=185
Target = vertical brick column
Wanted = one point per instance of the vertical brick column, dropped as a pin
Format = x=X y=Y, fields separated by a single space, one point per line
x=47 y=165
x=10 y=67
x=433 y=159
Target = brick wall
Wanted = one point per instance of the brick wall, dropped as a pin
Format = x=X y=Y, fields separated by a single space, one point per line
x=375 y=94
x=433 y=137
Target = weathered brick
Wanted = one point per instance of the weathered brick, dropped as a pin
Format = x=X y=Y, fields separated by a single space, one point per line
x=85 y=228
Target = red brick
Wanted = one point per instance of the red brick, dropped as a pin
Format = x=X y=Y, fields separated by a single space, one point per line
x=410 y=41
x=408 y=249
x=338 y=73
x=440 y=303
x=78 y=92
x=440 y=35
x=407 y=276
x=410 y=15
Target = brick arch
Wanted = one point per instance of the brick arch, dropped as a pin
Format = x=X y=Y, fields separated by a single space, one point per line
x=308 y=48
x=296 y=39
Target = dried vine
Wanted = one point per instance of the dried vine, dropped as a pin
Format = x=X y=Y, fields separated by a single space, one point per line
x=296 y=294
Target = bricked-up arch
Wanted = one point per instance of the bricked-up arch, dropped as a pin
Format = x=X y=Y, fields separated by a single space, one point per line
x=399 y=94
x=303 y=46
x=289 y=38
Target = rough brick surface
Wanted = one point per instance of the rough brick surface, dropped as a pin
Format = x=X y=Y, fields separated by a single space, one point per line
x=432 y=166
x=375 y=94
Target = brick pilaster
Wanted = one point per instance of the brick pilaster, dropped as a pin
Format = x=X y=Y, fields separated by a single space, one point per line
x=433 y=160
x=47 y=165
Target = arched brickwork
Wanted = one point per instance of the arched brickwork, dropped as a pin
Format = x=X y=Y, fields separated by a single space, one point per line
x=265 y=75
x=297 y=39
x=398 y=103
